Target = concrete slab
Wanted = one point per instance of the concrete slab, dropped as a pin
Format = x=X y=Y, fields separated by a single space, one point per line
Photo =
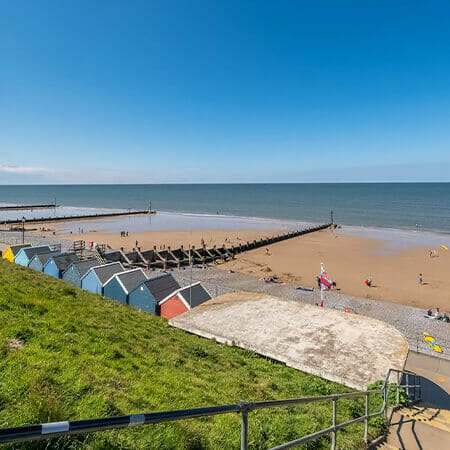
x=350 y=349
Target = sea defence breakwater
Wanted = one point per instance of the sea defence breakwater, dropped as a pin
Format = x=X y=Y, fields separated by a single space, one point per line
x=26 y=207
x=167 y=257
x=76 y=217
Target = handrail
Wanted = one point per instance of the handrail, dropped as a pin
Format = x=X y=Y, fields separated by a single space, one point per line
x=57 y=429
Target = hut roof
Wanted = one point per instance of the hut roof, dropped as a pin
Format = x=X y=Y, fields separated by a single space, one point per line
x=196 y=293
x=162 y=286
x=17 y=247
x=39 y=250
x=130 y=279
x=64 y=259
x=105 y=272
x=84 y=265
x=44 y=257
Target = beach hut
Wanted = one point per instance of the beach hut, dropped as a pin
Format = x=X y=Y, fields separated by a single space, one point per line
x=75 y=271
x=96 y=277
x=11 y=251
x=121 y=284
x=147 y=295
x=25 y=255
x=38 y=261
x=56 y=264
x=183 y=300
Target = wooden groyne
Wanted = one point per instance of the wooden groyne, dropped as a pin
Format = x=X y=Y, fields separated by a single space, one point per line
x=31 y=207
x=76 y=217
x=176 y=258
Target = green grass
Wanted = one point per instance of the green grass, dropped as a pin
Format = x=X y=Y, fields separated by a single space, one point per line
x=81 y=356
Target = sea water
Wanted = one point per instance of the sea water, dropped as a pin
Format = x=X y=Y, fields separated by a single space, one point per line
x=406 y=206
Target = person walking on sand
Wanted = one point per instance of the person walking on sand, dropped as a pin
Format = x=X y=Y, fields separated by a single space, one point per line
x=137 y=243
x=420 y=278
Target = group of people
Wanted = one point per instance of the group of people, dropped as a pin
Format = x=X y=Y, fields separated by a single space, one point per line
x=437 y=315
x=124 y=234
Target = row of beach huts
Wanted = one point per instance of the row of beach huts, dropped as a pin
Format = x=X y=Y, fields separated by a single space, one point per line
x=160 y=295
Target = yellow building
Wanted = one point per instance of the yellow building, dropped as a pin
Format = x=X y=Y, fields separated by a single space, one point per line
x=10 y=252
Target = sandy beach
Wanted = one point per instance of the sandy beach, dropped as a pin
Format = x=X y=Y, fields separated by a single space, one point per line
x=349 y=261
x=147 y=239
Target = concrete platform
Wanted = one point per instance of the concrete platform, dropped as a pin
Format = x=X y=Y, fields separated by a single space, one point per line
x=349 y=349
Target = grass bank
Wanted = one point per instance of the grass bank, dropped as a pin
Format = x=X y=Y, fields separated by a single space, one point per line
x=66 y=354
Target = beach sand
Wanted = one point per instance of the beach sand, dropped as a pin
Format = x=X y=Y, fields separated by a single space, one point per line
x=174 y=239
x=349 y=260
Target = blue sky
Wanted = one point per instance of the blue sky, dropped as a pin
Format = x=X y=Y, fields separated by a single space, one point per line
x=230 y=91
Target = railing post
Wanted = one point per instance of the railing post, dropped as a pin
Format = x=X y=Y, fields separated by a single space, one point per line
x=398 y=389
x=407 y=384
x=333 y=433
x=244 y=429
x=420 y=390
x=366 y=421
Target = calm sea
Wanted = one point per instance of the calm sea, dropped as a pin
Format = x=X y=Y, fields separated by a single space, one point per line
x=391 y=205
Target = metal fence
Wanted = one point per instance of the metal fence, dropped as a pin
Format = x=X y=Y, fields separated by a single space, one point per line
x=57 y=429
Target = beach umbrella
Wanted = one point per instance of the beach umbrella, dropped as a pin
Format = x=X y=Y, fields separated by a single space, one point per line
x=444 y=247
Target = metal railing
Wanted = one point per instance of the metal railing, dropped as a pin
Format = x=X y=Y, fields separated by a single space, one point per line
x=58 y=429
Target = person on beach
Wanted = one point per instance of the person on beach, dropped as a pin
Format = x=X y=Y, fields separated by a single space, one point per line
x=437 y=314
x=137 y=243
x=420 y=278
x=430 y=312
x=369 y=282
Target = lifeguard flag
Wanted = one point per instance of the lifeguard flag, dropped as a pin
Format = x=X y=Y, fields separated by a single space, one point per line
x=325 y=281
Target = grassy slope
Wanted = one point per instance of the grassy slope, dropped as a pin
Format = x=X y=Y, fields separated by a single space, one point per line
x=84 y=356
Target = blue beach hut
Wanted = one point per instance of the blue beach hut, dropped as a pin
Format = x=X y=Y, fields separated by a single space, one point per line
x=121 y=284
x=38 y=261
x=147 y=295
x=75 y=271
x=56 y=264
x=25 y=255
x=96 y=277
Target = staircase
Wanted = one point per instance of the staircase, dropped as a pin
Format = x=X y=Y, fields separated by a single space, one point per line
x=419 y=428
x=425 y=425
x=99 y=257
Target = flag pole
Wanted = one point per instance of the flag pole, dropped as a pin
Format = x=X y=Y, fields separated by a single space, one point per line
x=322 y=270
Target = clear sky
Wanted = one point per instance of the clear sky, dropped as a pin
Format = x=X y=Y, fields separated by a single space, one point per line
x=227 y=91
